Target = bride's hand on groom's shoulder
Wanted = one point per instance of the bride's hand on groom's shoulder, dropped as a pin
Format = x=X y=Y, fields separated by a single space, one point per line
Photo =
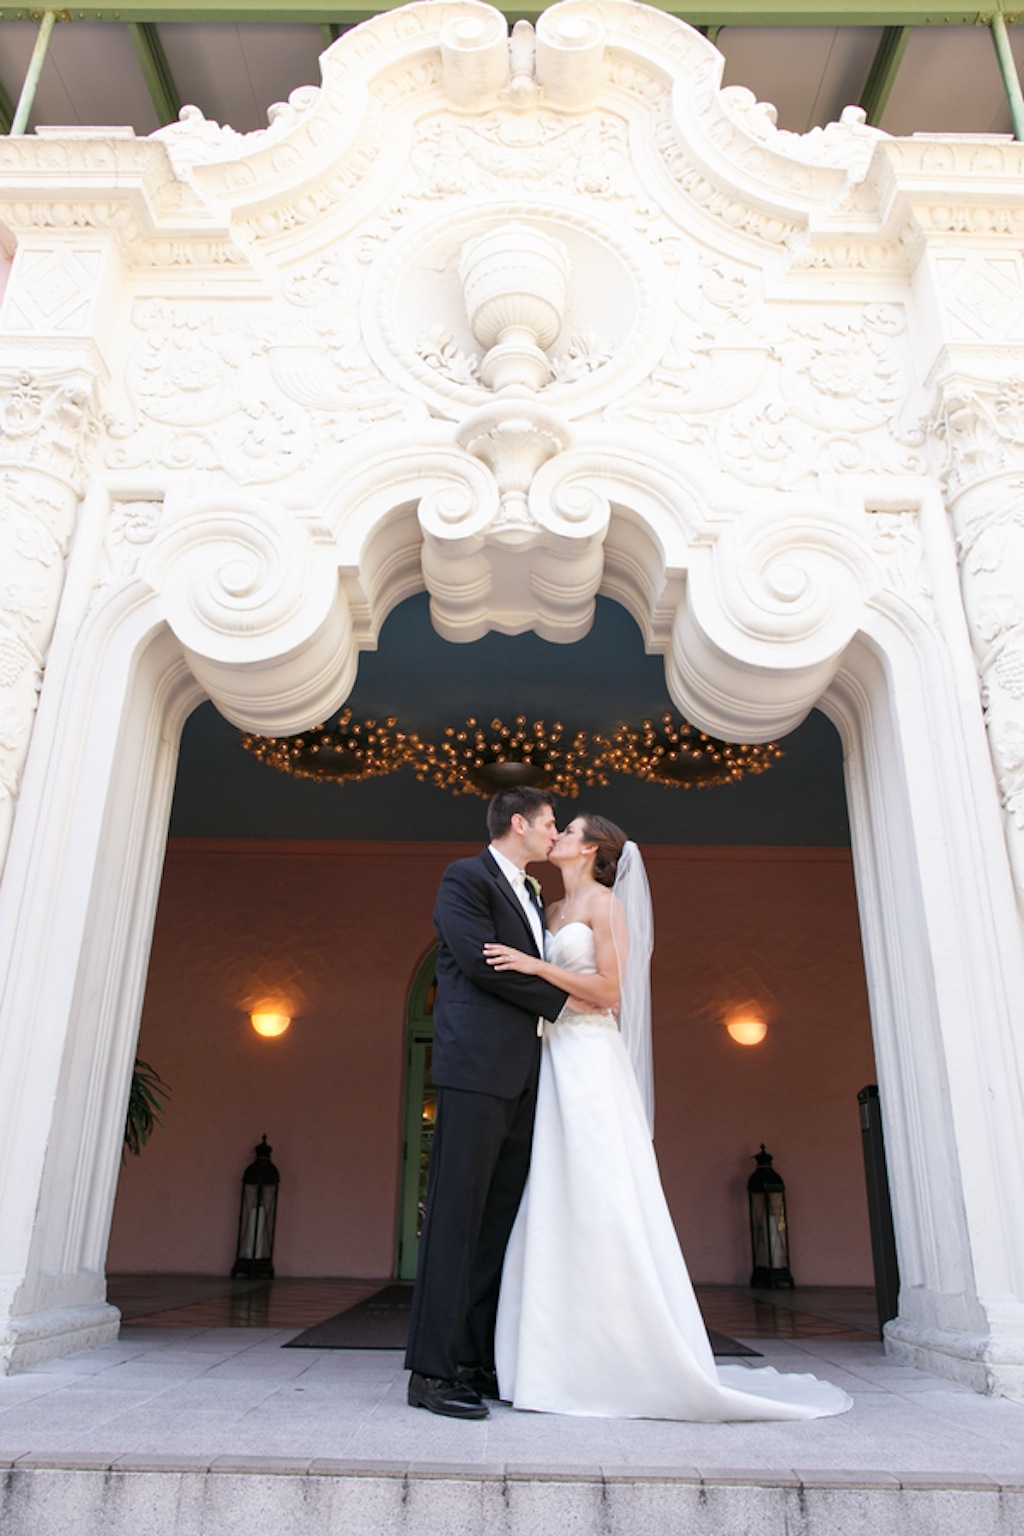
x=502 y=957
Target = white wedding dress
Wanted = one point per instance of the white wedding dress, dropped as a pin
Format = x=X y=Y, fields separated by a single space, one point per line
x=597 y=1314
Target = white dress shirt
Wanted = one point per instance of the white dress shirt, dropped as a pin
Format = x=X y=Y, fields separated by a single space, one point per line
x=517 y=880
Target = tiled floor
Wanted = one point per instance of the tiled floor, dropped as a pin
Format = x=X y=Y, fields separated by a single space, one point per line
x=199 y=1301
x=208 y=1393
x=203 y=1301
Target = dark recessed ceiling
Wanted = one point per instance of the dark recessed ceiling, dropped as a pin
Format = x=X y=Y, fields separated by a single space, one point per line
x=428 y=682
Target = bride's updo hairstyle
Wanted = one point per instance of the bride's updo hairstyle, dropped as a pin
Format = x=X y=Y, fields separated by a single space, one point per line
x=610 y=841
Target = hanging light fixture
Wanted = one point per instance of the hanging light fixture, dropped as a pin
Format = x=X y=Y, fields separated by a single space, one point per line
x=472 y=759
x=476 y=759
x=675 y=752
x=348 y=751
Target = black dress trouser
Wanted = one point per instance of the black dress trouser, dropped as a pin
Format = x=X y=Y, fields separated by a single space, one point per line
x=478 y=1167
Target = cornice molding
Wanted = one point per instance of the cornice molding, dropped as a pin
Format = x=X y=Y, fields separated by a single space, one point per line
x=198 y=196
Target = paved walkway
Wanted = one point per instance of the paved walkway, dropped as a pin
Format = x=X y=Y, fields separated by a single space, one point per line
x=201 y=1394
x=183 y=1431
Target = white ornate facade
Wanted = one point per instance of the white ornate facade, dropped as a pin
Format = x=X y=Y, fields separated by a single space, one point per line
x=518 y=321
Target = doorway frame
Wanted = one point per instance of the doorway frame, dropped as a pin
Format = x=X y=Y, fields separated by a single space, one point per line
x=942 y=958
x=419 y=1036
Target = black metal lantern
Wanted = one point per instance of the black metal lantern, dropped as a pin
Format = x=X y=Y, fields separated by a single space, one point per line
x=769 y=1232
x=256 y=1218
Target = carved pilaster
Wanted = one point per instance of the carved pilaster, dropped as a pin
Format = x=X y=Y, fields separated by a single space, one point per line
x=981 y=424
x=49 y=425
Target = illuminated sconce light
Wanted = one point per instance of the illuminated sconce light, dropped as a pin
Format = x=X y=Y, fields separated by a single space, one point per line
x=269 y=1024
x=746 y=1029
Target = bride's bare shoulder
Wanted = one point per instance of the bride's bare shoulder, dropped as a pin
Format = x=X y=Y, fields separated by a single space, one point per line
x=600 y=904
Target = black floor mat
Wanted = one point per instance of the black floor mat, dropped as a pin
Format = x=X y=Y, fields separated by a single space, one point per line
x=382 y=1321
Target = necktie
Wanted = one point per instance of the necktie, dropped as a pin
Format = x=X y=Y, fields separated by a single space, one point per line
x=524 y=894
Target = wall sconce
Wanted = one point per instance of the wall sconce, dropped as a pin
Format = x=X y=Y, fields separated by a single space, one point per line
x=746 y=1029
x=269 y=1024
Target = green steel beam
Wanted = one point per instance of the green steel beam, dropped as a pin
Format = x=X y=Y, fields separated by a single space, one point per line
x=156 y=70
x=35 y=69
x=6 y=111
x=1010 y=77
x=882 y=75
x=702 y=13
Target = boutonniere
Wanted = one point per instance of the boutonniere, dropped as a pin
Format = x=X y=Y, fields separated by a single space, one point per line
x=534 y=884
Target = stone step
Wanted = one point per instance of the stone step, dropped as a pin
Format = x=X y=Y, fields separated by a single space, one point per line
x=93 y=1495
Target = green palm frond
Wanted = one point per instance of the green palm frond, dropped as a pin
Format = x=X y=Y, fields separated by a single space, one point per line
x=146 y=1102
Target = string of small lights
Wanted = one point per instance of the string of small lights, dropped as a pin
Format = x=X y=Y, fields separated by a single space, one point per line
x=474 y=759
x=675 y=752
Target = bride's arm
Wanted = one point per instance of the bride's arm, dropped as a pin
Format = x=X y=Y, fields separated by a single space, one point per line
x=598 y=988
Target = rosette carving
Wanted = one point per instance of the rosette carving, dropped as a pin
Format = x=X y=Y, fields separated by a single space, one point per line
x=769 y=610
x=253 y=596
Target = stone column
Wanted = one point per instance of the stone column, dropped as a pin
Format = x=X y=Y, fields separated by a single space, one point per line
x=980 y=422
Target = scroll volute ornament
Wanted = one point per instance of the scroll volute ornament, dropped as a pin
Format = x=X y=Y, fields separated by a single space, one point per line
x=770 y=609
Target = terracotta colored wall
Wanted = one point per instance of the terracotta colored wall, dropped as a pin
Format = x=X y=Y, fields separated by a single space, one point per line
x=335 y=932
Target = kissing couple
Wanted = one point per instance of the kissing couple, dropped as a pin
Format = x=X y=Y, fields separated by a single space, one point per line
x=550 y=1276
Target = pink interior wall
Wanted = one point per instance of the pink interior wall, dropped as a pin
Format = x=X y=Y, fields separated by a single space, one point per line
x=334 y=932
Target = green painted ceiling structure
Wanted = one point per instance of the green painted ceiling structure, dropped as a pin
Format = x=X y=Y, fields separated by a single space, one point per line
x=913 y=66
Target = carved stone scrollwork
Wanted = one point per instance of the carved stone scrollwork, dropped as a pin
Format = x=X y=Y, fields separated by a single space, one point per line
x=770 y=609
x=252 y=594
x=507 y=568
x=474 y=57
x=514 y=438
x=49 y=426
x=980 y=423
x=570 y=57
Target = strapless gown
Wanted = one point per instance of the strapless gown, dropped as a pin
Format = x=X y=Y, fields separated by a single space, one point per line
x=597 y=1314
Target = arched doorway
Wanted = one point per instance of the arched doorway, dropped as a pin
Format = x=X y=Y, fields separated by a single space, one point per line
x=418 y=1117
x=126 y=764
x=270 y=879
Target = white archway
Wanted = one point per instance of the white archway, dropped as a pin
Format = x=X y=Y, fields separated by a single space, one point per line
x=122 y=689
x=519 y=321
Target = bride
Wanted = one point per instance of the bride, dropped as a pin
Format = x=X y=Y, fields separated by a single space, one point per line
x=597 y=1314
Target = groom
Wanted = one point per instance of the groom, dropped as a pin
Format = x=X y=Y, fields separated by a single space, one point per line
x=486 y=1057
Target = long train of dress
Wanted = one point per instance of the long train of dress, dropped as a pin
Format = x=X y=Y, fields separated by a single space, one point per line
x=597 y=1314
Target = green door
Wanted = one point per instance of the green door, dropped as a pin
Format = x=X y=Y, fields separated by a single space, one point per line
x=419 y=1114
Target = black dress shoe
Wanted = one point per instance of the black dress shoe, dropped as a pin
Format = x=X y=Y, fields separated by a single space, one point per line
x=439 y=1394
x=482 y=1379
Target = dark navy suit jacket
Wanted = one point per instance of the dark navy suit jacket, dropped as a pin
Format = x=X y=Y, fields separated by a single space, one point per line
x=485 y=1021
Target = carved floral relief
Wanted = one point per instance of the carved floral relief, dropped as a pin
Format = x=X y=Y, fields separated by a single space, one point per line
x=776 y=401
x=49 y=428
x=979 y=425
x=246 y=394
